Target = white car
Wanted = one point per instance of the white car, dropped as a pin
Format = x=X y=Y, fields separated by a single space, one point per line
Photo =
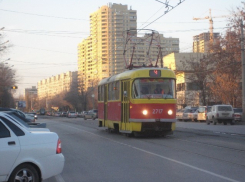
x=28 y=155
x=179 y=114
x=221 y=113
x=72 y=114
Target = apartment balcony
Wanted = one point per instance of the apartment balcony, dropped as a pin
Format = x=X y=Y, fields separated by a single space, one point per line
x=118 y=16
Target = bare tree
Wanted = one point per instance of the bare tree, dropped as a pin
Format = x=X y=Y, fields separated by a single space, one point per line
x=226 y=53
x=197 y=73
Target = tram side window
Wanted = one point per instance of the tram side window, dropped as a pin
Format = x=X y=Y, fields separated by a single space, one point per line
x=101 y=93
x=110 y=91
x=116 y=89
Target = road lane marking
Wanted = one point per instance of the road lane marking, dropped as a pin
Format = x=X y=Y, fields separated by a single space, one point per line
x=160 y=156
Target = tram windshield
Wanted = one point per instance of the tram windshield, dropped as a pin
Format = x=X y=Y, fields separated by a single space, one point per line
x=157 y=88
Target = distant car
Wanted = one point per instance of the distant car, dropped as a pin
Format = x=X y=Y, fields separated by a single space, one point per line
x=82 y=114
x=219 y=114
x=42 y=111
x=188 y=113
x=92 y=114
x=31 y=117
x=72 y=114
x=237 y=114
x=195 y=115
x=202 y=113
x=35 y=114
x=48 y=113
x=28 y=156
x=179 y=114
x=63 y=114
x=57 y=114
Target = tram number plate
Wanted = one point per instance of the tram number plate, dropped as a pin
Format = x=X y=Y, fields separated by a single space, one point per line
x=157 y=111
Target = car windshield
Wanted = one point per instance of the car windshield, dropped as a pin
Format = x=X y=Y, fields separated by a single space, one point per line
x=157 y=88
x=202 y=109
x=224 y=108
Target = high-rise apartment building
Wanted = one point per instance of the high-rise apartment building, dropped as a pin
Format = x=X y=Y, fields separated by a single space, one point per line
x=102 y=54
x=202 y=41
x=50 y=87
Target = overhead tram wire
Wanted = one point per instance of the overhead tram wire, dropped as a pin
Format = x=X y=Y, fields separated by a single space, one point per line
x=151 y=16
x=167 y=6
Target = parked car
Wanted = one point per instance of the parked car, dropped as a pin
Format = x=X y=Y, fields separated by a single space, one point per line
x=237 y=114
x=179 y=114
x=34 y=113
x=202 y=113
x=82 y=114
x=72 y=114
x=95 y=111
x=48 y=113
x=57 y=114
x=220 y=113
x=29 y=117
x=24 y=122
x=63 y=114
x=92 y=114
x=194 y=116
x=188 y=113
x=27 y=156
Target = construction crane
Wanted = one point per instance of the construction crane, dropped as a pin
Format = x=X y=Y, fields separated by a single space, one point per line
x=210 y=18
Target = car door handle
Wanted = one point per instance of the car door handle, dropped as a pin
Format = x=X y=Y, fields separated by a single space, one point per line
x=11 y=143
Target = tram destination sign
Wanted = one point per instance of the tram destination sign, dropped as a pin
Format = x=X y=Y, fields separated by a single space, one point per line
x=155 y=73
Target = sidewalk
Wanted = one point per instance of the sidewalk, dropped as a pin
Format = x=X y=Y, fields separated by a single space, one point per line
x=232 y=129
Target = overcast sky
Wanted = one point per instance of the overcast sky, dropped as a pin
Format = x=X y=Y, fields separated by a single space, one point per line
x=45 y=33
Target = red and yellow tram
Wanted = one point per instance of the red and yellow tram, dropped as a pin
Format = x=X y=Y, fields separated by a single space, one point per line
x=138 y=101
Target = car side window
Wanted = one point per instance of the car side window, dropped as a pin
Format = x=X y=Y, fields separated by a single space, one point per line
x=13 y=127
x=4 y=132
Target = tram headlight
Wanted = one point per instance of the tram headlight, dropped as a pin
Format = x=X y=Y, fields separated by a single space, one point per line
x=145 y=112
x=170 y=112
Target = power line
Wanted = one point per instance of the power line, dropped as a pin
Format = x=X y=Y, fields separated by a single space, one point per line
x=44 y=34
x=46 y=50
x=49 y=16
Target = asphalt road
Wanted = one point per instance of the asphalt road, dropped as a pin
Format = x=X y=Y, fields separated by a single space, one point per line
x=94 y=155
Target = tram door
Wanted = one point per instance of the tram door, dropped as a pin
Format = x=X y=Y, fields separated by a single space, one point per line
x=125 y=94
x=105 y=102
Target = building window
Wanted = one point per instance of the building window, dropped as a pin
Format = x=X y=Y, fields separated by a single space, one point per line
x=193 y=86
x=180 y=87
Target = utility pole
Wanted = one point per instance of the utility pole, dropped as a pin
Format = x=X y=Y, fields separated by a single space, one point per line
x=93 y=93
x=243 y=72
